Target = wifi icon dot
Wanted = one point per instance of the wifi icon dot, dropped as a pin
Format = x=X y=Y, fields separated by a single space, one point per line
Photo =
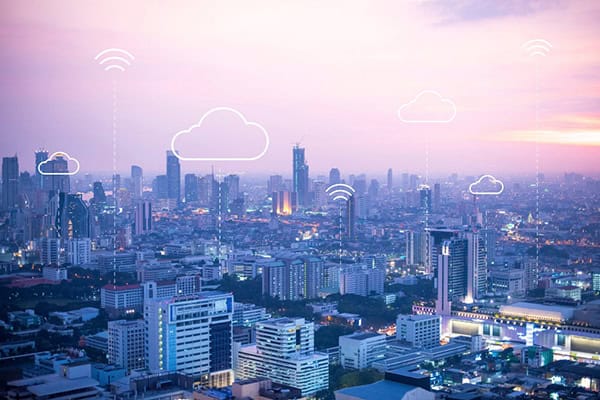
x=537 y=47
x=114 y=59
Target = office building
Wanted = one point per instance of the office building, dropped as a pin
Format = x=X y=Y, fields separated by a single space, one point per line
x=79 y=251
x=436 y=197
x=126 y=344
x=292 y=278
x=191 y=334
x=360 y=350
x=137 y=182
x=56 y=179
x=173 y=177
x=40 y=157
x=121 y=300
x=10 y=182
x=425 y=202
x=390 y=180
x=275 y=184
x=284 y=353
x=416 y=247
x=350 y=218
x=334 y=176
x=419 y=330
x=73 y=219
x=300 y=176
x=452 y=273
x=143 y=217
x=233 y=187
x=191 y=188
x=476 y=267
x=117 y=262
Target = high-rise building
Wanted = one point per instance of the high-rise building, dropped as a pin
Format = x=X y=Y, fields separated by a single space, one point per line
x=334 y=176
x=49 y=251
x=245 y=314
x=160 y=187
x=300 y=176
x=419 y=330
x=56 y=179
x=476 y=267
x=126 y=344
x=490 y=236
x=137 y=182
x=40 y=157
x=10 y=182
x=425 y=199
x=233 y=187
x=173 y=177
x=99 y=194
x=73 y=219
x=350 y=220
x=361 y=280
x=191 y=188
x=390 y=180
x=282 y=203
x=143 y=217
x=275 y=184
x=436 y=197
x=452 y=273
x=191 y=334
x=416 y=247
x=284 y=353
x=79 y=251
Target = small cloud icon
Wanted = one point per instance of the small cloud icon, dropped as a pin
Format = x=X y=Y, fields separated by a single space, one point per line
x=428 y=107
x=58 y=164
x=486 y=185
x=222 y=134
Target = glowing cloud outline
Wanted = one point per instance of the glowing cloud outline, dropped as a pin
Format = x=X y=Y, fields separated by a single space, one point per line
x=52 y=157
x=199 y=124
x=406 y=106
x=492 y=179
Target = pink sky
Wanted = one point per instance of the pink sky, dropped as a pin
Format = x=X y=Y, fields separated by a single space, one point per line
x=331 y=75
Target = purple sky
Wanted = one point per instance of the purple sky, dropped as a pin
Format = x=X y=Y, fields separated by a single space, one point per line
x=331 y=75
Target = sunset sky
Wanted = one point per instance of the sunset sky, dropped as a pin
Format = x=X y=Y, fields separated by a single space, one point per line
x=330 y=75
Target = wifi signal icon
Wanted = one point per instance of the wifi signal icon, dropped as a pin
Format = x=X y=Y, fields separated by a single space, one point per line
x=114 y=58
x=537 y=47
x=340 y=191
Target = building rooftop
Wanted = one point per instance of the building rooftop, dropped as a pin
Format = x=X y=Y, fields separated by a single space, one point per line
x=379 y=390
x=537 y=311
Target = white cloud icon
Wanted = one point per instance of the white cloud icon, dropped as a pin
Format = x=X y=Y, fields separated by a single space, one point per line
x=54 y=156
x=428 y=107
x=482 y=186
x=256 y=127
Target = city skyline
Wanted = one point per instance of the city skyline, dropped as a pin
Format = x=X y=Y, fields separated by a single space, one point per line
x=351 y=77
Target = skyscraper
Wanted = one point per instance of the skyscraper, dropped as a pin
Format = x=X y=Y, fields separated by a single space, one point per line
x=40 y=156
x=390 y=180
x=425 y=199
x=416 y=248
x=436 y=197
x=275 y=184
x=137 y=182
x=191 y=334
x=476 y=267
x=73 y=218
x=56 y=183
x=452 y=278
x=233 y=187
x=99 y=194
x=350 y=221
x=300 y=176
x=191 y=188
x=173 y=177
x=143 y=217
x=334 y=176
x=160 y=187
x=10 y=182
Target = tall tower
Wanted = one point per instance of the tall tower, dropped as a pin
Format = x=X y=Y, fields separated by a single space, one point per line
x=300 y=175
x=137 y=182
x=10 y=182
x=173 y=177
x=452 y=274
x=476 y=267
x=390 y=180
x=40 y=156
x=334 y=176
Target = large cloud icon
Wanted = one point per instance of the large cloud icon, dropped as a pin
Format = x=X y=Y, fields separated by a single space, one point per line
x=428 y=107
x=43 y=166
x=254 y=135
x=486 y=185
